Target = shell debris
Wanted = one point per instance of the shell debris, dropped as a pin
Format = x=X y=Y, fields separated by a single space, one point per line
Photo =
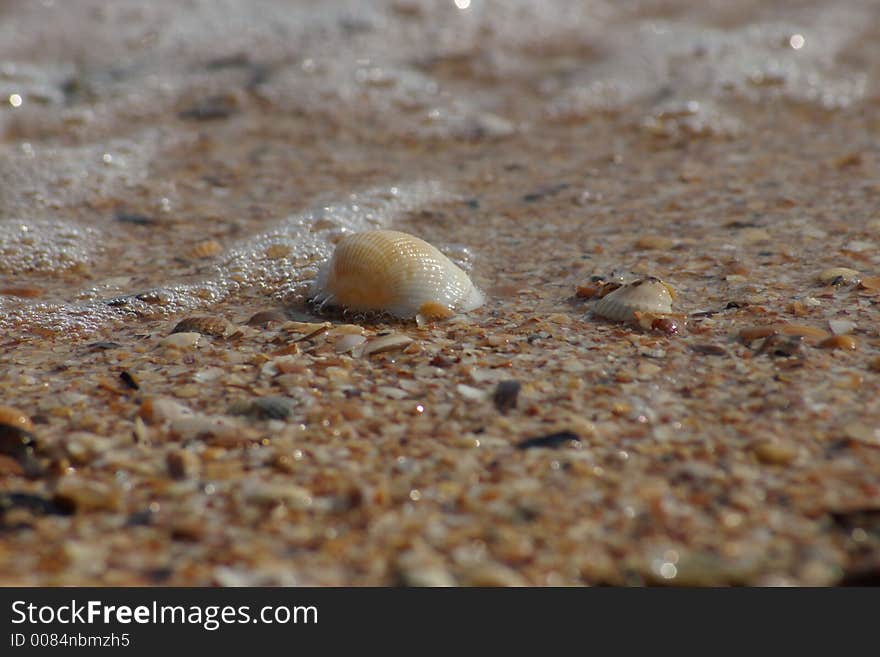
x=839 y=276
x=390 y=272
x=628 y=302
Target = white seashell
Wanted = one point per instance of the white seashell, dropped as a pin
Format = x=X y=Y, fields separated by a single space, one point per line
x=648 y=295
x=386 y=271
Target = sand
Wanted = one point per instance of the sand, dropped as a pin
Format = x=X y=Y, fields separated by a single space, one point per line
x=201 y=163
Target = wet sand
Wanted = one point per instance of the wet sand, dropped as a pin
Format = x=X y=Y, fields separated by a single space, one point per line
x=260 y=453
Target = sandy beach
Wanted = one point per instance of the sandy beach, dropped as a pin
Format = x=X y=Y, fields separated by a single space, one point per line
x=173 y=175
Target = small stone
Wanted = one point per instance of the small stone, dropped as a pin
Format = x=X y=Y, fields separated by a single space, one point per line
x=271 y=494
x=775 y=453
x=651 y=242
x=506 y=395
x=552 y=440
x=87 y=495
x=264 y=408
x=182 y=464
x=469 y=392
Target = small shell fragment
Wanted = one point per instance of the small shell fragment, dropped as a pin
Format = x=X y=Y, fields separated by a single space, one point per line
x=839 y=276
x=794 y=330
x=844 y=342
x=186 y=340
x=841 y=326
x=348 y=342
x=393 y=342
x=386 y=271
x=647 y=295
x=13 y=420
x=206 y=249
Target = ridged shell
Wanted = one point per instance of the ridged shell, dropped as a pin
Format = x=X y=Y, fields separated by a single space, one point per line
x=648 y=295
x=386 y=271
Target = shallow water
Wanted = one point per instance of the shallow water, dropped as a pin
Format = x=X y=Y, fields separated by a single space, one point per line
x=293 y=123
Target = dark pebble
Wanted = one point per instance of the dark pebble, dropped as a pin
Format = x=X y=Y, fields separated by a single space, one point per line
x=506 y=395
x=36 y=504
x=135 y=218
x=129 y=381
x=101 y=346
x=709 y=349
x=210 y=109
x=552 y=441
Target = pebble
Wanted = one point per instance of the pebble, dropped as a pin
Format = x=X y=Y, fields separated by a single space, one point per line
x=199 y=426
x=775 y=453
x=265 y=493
x=88 y=494
x=182 y=464
x=552 y=440
x=469 y=392
x=272 y=407
x=506 y=395
x=651 y=242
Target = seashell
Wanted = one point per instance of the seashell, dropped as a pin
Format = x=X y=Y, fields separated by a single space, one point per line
x=839 y=276
x=648 y=295
x=386 y=271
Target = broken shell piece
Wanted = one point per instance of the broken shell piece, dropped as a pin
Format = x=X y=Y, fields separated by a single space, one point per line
x=839 y=276
x=392 y=342
x=431 y=312
x=348 y=342
x=795 y=330
x=648 y=295
x=386 y=271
